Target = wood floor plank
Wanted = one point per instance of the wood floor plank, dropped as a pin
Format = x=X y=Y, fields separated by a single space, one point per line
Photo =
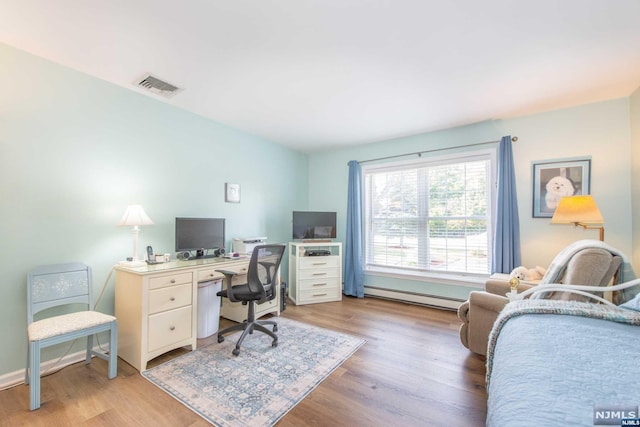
x=412 y=371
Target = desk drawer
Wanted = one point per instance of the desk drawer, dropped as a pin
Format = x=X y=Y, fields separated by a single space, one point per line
x=319 y=262
x=170 y=280
x=211 y=274
x=169 y=327
x=206 y=275
x=170 y=297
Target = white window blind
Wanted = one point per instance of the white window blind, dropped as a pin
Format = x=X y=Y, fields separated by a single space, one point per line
x=433 y=215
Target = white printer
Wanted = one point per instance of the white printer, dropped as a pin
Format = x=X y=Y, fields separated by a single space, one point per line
x=245 y=245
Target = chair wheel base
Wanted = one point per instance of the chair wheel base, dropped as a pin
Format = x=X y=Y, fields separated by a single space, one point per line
x=236 y=351
x=275 y=328
x=274 y=343
x=220 y=338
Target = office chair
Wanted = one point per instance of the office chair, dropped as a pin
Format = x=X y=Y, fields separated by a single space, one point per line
x=261 y=286
x=57 y=285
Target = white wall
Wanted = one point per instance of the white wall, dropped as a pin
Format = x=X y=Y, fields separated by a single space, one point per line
x=598 y=130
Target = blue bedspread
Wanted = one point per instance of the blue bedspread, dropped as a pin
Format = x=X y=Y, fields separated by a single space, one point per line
x=549 y=363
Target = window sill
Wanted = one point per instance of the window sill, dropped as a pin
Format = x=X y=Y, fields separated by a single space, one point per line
x=455 y=279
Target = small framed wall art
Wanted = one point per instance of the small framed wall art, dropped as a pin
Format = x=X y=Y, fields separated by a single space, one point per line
x=555 y=179
x=231 y=193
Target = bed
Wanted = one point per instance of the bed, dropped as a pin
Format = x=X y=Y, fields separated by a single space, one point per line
x=563 y=363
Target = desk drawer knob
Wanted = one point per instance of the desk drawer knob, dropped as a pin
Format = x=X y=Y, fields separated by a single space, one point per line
x=173 y=280
x=172 y=328
x=319 y=295
x=319 y=274
x=319 y=284
x=172 y=299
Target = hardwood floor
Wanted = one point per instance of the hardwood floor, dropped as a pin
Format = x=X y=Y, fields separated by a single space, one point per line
x=412 y=371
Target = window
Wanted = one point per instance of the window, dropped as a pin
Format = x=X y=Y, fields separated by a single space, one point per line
x=432 y=215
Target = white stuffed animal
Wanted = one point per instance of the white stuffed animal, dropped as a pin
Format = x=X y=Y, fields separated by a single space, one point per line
x=524 y=273
x=557 y=188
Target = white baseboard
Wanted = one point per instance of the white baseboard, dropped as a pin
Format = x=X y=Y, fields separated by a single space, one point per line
x=430 y=300
x=15 y=378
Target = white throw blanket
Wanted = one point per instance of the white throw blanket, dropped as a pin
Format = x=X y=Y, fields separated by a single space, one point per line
x=559 y=264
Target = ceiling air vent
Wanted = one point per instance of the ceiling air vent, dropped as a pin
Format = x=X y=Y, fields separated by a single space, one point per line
x=157 y=86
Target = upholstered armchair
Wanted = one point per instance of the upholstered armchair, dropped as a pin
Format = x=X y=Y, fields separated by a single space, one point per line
x=590 y=266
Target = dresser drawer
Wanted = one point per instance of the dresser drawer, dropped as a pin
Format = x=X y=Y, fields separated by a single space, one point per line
x=170 y=280
x=319 y=262
x=319 y=283
x=310 y=296
x=169 y=327
x=319 y=273
x=170 y=297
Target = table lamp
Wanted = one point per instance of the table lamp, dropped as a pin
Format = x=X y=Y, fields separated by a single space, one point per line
x=135 y=216
x=581 y=211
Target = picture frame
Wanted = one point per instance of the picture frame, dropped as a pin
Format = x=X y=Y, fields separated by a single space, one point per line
x=231 y=193
x=554 y=179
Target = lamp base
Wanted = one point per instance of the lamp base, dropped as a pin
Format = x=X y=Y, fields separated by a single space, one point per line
x=132 y=264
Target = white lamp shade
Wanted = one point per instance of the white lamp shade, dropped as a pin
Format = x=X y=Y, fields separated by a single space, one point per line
x=135 y=215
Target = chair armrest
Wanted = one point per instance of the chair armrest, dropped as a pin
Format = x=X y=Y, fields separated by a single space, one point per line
x=486 y=301
x=501 y=287
x=483 y=312
x=228 y=275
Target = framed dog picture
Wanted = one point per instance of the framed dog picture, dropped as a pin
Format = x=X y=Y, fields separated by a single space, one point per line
x=555 y=179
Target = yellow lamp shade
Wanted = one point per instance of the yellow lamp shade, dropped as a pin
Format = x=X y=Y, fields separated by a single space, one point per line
x=577 y=209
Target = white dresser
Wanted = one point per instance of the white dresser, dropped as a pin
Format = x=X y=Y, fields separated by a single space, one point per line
x=315 y=279
x=156 y=305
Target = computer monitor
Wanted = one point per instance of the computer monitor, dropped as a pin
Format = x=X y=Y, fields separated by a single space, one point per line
x=199 y=234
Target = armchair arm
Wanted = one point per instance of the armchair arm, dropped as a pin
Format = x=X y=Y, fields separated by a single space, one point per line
x=483 y=312
x=228 y=275
x=488 y=302
x=501 y=287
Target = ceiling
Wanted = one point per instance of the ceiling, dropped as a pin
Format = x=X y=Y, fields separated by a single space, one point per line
x=322 y=74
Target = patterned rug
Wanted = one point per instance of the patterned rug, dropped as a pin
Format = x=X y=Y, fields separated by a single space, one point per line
x=263 y=383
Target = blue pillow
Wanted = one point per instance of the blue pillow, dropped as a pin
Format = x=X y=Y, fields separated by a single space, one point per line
x=632 y=304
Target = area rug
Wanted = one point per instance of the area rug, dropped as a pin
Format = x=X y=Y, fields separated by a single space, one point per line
x=262 y=383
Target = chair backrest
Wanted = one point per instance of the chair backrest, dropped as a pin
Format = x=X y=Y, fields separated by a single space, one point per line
x=55 y=285
x=263 y=268
x=590 y=267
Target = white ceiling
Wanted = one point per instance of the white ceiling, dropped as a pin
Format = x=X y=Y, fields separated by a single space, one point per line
x=320 y=74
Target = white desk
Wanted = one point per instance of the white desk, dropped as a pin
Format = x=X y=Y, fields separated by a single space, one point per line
x=156 y=305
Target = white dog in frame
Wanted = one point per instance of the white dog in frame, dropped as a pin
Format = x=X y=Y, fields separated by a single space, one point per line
x=557 y=188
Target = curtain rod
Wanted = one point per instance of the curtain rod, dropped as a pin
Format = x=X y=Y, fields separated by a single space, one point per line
x=419 y=153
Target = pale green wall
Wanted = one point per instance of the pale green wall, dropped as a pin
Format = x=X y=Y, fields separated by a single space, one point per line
x=599 y=130
x=76 y=151
x=635 y=173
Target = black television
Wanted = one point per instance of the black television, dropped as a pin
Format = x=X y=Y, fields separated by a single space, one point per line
x=314 y=225
x=199 y=234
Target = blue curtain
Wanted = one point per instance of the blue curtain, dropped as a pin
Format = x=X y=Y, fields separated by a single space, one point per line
x=353 y=280
x=506 y=241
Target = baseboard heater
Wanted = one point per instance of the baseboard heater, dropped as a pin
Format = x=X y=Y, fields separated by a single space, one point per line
x=413 y=297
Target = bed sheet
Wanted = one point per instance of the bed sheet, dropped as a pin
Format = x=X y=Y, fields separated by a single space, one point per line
x=555 y=369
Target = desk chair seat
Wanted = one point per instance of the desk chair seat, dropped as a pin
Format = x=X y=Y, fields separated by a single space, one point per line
x=57 y=285
x=260 y=287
